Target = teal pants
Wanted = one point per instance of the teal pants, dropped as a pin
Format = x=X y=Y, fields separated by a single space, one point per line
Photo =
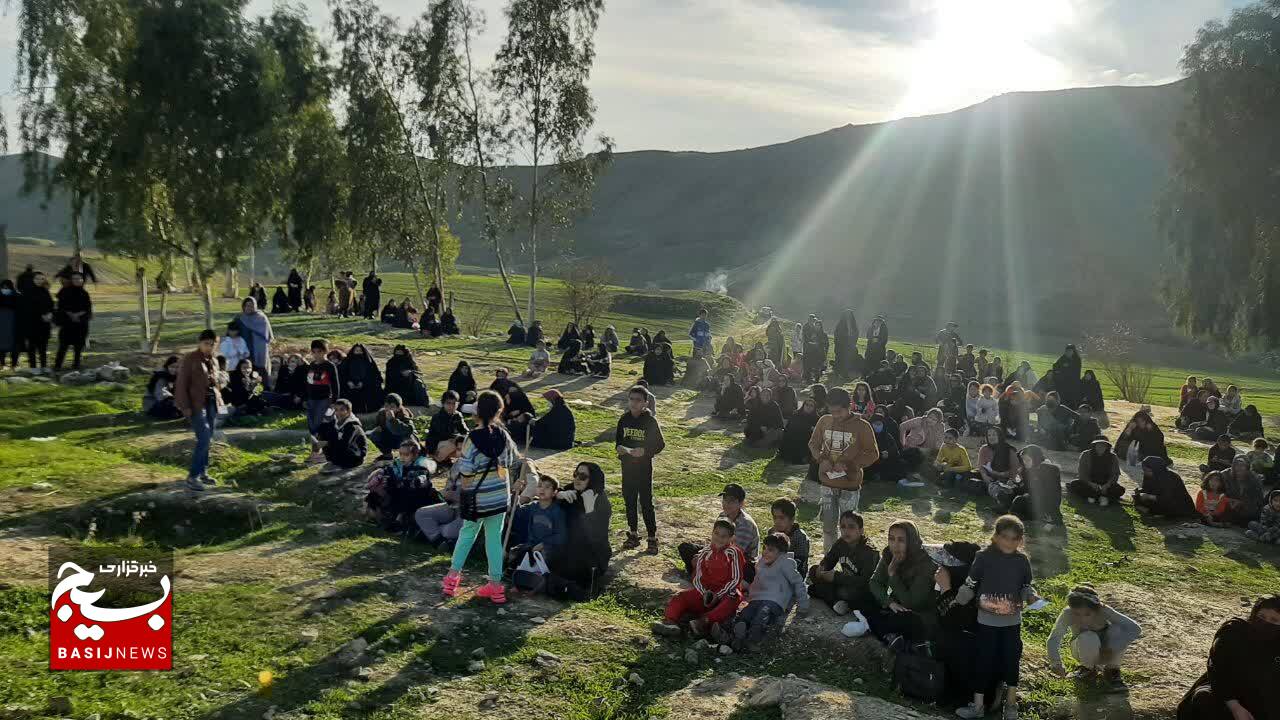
x=492 y=527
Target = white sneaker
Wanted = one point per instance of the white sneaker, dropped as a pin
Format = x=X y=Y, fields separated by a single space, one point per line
x=970 y=711
x=1011 y=711
x=1093 y=501
x=906 y=483
x=1104 y=501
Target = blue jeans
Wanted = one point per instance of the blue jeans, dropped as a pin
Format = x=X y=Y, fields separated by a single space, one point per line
x=316 y=410
x=202 y=422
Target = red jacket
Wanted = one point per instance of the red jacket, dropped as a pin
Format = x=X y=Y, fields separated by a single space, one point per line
x=718 y=571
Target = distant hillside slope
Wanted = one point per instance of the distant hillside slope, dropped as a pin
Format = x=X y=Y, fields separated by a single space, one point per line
x=1027 y=218
x=32 y=215
x=1027 y=215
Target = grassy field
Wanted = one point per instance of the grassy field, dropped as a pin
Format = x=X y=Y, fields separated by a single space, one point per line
x=278 y=573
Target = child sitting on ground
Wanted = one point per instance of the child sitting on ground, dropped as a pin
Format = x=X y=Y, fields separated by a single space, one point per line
x=1212 y=502
x=1221 y=454
x=784 y=521
x=539 y=361
x=841 y=579
x=447 y=422
x=1266 y=528
x=1260 y=460
x=1099 y=637
x=776 y=586
x=538 y=526
x=392 y=426
x=953 y=460
x=342 y=441
x=713 y=599
x=399 y=489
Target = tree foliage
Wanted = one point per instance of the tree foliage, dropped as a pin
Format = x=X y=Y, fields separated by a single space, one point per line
x=587 y=289
x=1221 y=212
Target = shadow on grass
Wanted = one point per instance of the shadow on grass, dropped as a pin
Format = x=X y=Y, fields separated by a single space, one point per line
x=1112 y=520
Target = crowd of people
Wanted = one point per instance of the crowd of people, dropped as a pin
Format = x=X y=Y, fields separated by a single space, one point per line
x=464 y=472
x=30 y=310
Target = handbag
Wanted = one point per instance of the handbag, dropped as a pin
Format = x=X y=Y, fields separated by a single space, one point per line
x=468 y=491
x=531 y=574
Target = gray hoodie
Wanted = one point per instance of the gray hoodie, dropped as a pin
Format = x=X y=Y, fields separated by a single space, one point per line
x=780 y=583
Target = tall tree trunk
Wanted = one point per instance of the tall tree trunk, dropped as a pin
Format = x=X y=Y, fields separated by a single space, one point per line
x=164 y=310
x=191 y=283
x=4 y=252
x=253 y=265
x=533 y=242
x=417 y=283
x=144 y=312
x=230 y=289
x=202 y=280
x=76 y=209
x=439 y=270
x=373 y=261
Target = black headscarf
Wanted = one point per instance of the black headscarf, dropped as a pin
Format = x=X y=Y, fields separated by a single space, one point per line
x=462 y=383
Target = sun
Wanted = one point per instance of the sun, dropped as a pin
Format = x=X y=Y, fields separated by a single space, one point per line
x=982 y=48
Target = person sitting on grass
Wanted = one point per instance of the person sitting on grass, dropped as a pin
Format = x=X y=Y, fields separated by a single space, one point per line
x=952 y=462
x=1261 y=461
x=1086 y=428
x=556 y=429
x=903 y=588
x=1212 y=502
x=361 y=380
x=572 y=362
x=1221 y=453
x=290 y=389
x=1232 y=403
x=342 y=441
x=639 y=346
x=1266 y=529
x=794 y=448
x=233 y=347
x=610 y=339
x=405 y=379
x=1042 y=480
x=392 y=427
x=1056 y=422
x=1247 y=425
x=718 y=571
x=447 y=422
x=784 y=521
x=731 y=401
x=764 y=424
x=539 y=526
x=660 y=365
x=568 y=336
x=587 y=513
x=1162 y=491
x=746 y=534
x=1099 y=638
x=1143 y=432
x=539 y=362
x=888 y=464
x=515 y=333
x=449 y=322
x=600 y=362
x=1193 y=412
x=398 y=490
x=1240 y=683
x=776 y=586
x=1098 y=474
x=518 y=413
x=244 y=390
x=1244 y=488
x=158 y=401
x=440 y=523
x=921 y=440
x=842 y=579
x=463 y=383
x=1215 y=422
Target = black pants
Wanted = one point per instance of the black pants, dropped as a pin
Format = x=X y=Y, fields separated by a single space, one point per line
x=999 y=656
x=858 y=597
x=1087 y=489
x=908 y=624
x=38 y=346
x=1203 y=704
x=688 y=551
x=637 y=495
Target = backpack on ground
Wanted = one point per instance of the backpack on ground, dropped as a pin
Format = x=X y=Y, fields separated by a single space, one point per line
x=918 y=674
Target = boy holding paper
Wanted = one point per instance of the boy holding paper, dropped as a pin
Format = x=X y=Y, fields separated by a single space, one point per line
x=638 y=439
x=842 y=445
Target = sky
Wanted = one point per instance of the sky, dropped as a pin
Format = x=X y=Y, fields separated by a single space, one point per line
x=716 y=75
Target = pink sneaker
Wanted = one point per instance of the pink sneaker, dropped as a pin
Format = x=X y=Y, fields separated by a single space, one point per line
x=495 y=592
x=451 y=583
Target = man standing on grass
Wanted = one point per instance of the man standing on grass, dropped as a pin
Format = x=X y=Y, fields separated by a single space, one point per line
x=701 y=334
x=196 y=395
x=639 y=438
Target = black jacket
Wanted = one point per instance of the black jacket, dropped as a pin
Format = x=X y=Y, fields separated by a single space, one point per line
x=556 y=429
x=1243 y=666
x=444 y=426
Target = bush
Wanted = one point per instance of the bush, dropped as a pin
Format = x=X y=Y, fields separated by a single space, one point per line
x=1113 y=351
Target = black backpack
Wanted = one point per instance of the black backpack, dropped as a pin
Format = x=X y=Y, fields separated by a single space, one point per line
x=919 y=675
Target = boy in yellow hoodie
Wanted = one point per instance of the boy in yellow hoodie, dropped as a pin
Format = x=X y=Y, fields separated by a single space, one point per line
x=952 y=462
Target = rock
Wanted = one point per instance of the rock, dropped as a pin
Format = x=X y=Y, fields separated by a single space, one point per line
x=538 y=620
x=27 y=372
x=702 y=644
x=635 y=679
x=547 y=656
x=59 y=705
x=488 y=702
x=18 y=380
x=364 y=673
x=308 y=636
x=352 y=651
x=270 y=714
x=691 y=656
x=502 y=611
x=942 y=516
x=726 y=650
x=42 y=379
x=767 y=693
x=478 y=653
x=41 y=487
x=73 y=378
x=475 y=666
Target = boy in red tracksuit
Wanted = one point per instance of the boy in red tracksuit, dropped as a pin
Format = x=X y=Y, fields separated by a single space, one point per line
x=717 y=574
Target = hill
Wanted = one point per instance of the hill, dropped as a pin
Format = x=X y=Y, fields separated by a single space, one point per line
x=1026 y=217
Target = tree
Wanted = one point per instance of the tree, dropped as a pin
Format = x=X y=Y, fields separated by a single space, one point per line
x=1221 y=211
x=541 y=74
x=1115 y=351
x=587 y=287
x=483 y=136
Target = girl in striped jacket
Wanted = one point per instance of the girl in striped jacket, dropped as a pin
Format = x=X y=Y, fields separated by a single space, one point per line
x=484 y=490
